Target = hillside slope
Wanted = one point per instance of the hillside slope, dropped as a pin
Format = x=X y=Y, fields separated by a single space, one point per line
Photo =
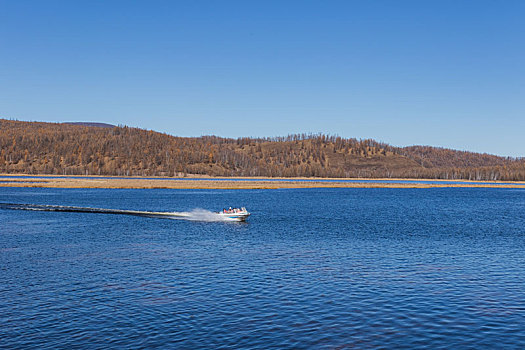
x=50 y=148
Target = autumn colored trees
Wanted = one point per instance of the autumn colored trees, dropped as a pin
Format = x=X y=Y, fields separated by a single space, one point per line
x=65 y=149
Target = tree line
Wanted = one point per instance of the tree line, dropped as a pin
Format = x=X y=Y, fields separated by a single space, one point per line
x=67 y=149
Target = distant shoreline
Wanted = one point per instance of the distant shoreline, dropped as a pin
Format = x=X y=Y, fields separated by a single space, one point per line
x=67 y=149
x=207 y=182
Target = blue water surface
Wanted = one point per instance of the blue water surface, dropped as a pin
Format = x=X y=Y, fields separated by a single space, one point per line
x=312 y=268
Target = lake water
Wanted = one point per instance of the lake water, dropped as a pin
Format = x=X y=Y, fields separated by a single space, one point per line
x=312 y=268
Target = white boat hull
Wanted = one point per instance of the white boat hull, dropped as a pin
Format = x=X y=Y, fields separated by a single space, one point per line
x=239 y=216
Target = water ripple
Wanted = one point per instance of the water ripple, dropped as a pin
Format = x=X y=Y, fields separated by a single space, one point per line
x=373 y=268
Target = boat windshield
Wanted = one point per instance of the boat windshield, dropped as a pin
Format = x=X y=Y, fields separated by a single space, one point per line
x=234 y=210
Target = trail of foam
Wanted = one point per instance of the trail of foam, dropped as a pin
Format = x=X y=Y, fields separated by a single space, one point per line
x=201 y=215
x=194 y=215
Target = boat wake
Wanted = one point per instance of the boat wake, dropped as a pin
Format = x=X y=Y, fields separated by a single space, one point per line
x=193 y=215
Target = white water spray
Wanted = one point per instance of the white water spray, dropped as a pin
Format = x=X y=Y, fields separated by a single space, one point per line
x=199 y=214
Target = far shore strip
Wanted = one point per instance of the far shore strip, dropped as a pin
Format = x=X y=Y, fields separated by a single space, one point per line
x=229 y=183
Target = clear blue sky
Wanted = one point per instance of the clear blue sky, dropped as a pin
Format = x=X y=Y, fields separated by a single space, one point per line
x=442 y=73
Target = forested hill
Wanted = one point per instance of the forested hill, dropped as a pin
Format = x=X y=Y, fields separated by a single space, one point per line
x=72 y=149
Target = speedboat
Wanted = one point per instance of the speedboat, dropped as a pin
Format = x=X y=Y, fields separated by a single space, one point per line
x=235 y=214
